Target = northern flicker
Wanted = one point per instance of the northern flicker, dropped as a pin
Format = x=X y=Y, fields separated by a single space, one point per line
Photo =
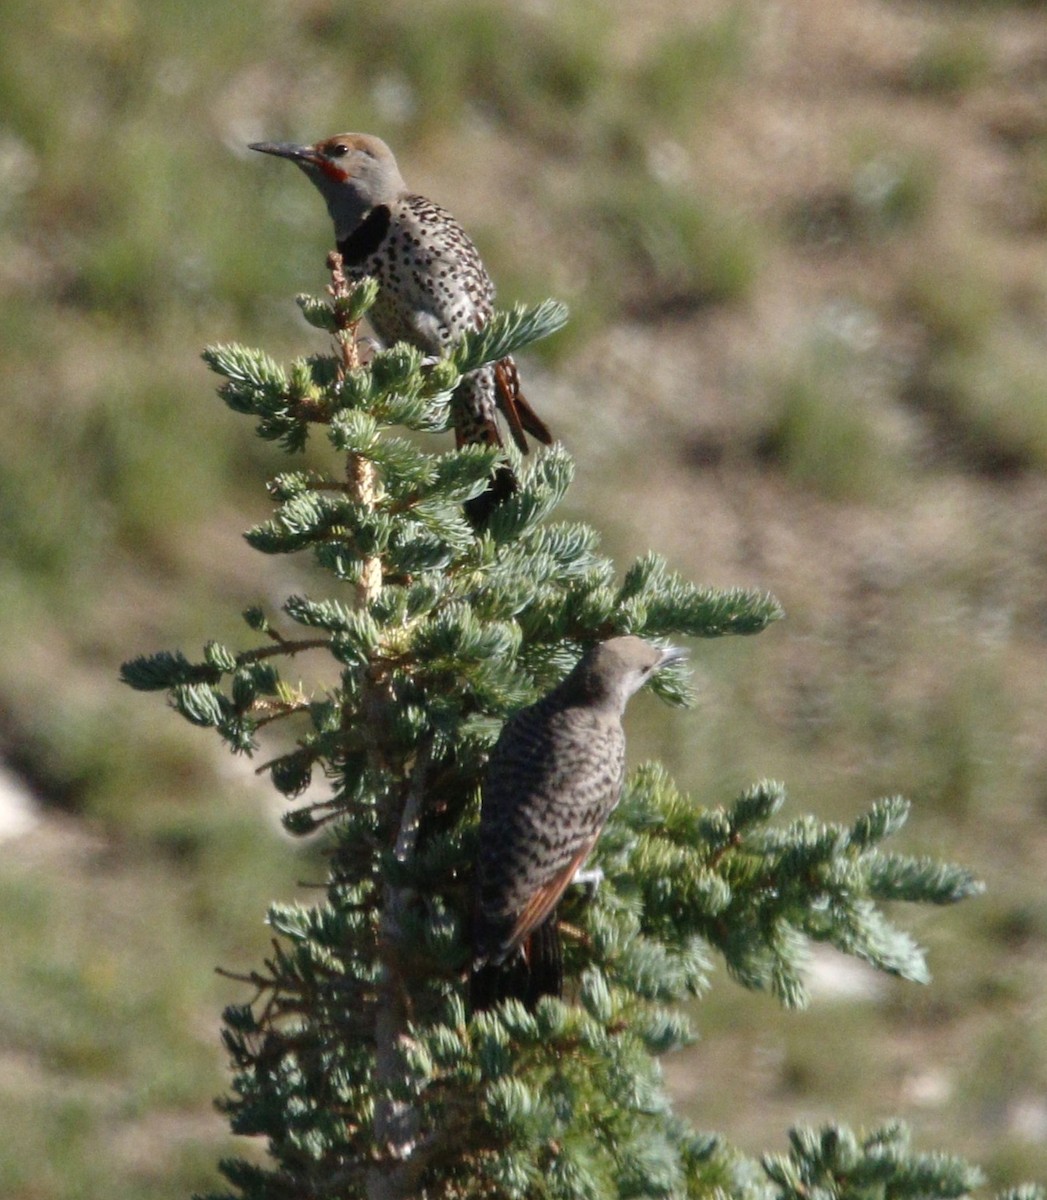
x=553 y=778
x=433 y=286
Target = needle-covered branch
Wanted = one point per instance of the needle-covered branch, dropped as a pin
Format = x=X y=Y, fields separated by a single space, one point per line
x=757 y=892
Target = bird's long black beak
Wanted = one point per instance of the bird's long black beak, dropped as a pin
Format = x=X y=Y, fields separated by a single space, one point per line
x=670 y=655
x=285 y=150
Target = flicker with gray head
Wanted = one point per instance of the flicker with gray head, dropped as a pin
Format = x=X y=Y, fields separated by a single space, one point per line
x=554 y=777
x=433 y=286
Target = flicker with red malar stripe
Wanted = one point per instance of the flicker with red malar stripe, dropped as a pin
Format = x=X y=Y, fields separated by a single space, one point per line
x=554 y=776
x=432 y=285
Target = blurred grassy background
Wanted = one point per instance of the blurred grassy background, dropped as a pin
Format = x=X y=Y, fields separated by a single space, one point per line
x=805 y=252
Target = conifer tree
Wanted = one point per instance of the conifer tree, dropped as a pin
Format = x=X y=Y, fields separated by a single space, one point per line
x=357 y=1058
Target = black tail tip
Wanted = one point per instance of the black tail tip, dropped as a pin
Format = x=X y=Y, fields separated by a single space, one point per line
x=492 y=983
x=502 y=484
x=531 y=973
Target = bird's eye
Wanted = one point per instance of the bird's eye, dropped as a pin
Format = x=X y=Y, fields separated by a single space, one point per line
x=338 y=150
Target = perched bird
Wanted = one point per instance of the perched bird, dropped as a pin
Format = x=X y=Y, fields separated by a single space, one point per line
x=433 y=287
x=553 y=778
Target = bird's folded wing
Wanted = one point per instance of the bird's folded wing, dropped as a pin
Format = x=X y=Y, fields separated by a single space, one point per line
x=545 y=899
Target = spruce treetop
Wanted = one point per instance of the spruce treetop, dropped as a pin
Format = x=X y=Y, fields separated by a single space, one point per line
x=358 y=1058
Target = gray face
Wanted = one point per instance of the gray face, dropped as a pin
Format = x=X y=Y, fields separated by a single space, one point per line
x=354 y=172
x=613 y=670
